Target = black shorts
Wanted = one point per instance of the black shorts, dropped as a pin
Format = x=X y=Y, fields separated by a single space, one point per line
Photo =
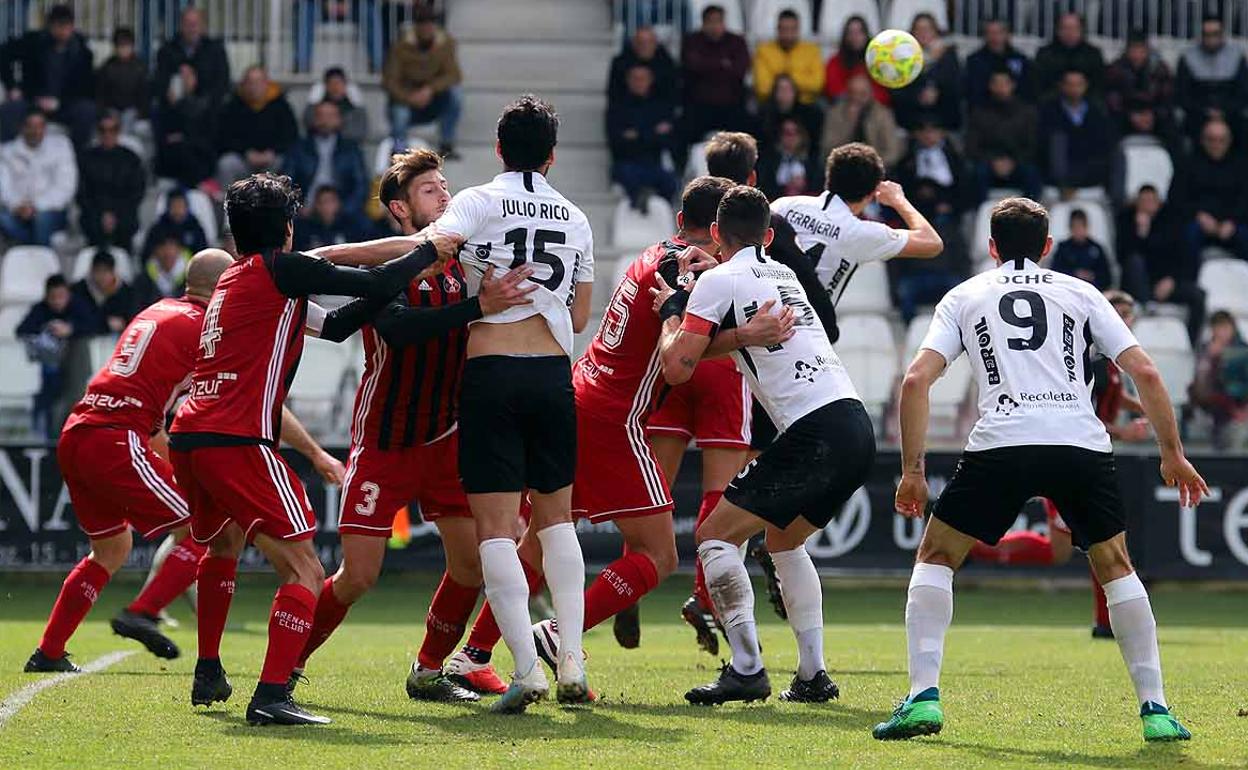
x=811 y=469
x=762 y=429
x=517 y=424
x=989 y=488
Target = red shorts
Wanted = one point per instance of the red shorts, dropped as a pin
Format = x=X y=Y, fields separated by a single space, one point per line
x=381 y=481
x=617 y=475
x=116 y=481
x=712 y=408
x=250 y=485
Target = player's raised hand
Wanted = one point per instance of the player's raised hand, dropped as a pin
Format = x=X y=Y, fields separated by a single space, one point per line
x=889 y=194
x=660 y=293
x=1178 y=471
x=329 y=468
x=497 y=295
x=911 y=498
x=766 y=328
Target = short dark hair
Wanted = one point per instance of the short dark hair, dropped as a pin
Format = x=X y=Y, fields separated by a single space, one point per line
x=732 y=155
x=325 y=188
x=334 y=72
x=699 y=203
x=61 y=13
x=787 y=13
x=708 y=10
x=1137 y=37
x=1019 y=227
x=528 y=130
x=259 y=209
x=743 y=216
x=1147 y=188
x=1078 y=215
x=424 y=15
x=54 y=281
x=853 y=171
x=403 y=169
x=103 y=258
x=123 y=35
x=1215 y=318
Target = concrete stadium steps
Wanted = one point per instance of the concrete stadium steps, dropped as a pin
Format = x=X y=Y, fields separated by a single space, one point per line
x=535 y=65
x=582 y=114
x=579 y=172
x=545 y=20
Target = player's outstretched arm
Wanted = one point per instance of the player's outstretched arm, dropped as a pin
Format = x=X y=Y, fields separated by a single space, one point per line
x=401 y=324
x=911 y=499
x=298 y=275
x=297 y=436
x=341 y=322
x=923 y=241
x=370 y=253
x=1154 y=398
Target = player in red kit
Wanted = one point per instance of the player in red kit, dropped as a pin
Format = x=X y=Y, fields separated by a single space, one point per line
x=224 y=436
x=404 y=442
x=116 y=480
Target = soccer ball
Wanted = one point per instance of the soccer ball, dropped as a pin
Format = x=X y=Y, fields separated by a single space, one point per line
x=894 y=58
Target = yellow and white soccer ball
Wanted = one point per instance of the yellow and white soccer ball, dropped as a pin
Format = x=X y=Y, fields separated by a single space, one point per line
x=894 y=58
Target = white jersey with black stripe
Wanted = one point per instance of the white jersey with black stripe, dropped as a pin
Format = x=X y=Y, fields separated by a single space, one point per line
x=791 y=379
x=835 y=240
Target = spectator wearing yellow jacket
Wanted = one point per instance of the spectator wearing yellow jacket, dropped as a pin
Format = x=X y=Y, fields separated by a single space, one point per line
x=789 y=55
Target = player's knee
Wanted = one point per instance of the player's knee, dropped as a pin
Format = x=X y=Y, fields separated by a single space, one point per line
x=308 y=571
x=1110 y=560
x=464 y=570
x=228 y=543
x=111 y=552
x=665 y=559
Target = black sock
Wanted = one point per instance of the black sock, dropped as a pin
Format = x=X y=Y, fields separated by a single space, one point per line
x=269 y=693
x=477 y=655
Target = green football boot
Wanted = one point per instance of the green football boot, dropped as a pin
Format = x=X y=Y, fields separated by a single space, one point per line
x=1160 y=726
x=920 y=715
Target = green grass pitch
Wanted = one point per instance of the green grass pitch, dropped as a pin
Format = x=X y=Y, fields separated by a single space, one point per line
x=1024 y=686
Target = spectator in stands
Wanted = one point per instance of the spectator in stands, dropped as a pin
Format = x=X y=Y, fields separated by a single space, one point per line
x=164 y=275
x=50 y=69
x=1155 y=267
x=1075 y=150
x=110 y=187
x=998 y=53
x=1212 y=81
x=336 y=89
x=326 y=157
x=1210 y=193
x=789 y=55
x=859 y=118
x=1069 y=50
x=640 y=126
x=784 y=105
x=422 y=77
x=1220 y=387
x=47 y=329
x=256 y=127
x=38 y=179
x=1081 y=256
x=938 y=88
x=1138 y=80
x=176 y=222
x=714 y=63
x=185 y=128
x=1001 y=140
x=787 y=166
x=205 y=56
x=121 y=81
x=644 y=49
x=850 y=61
x=933 y=174
x=326 y=223
x=110 y=299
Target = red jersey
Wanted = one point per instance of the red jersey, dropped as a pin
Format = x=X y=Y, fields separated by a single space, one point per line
x=249 y=348
x=149 y=369
x=409 y=395
x=619 y=376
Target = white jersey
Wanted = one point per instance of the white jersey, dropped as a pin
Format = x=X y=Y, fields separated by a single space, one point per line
x=835 y=240
x=791 y=379
x=519 y=218
x=1029 y=333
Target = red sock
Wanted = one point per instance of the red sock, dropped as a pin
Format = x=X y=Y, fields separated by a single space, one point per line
x=330 y=612
x=293 y=609
x=78 y=594
x=485 y=633
x=172 y=579
x=620 y=585
x=449 y=611
x=1099 y=607
x=709 y=501
x=1025 y=547
x=216 y=589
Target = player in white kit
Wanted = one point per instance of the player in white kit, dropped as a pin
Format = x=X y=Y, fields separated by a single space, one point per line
x=517 y=414
x=822 y=456
x=1029 y=333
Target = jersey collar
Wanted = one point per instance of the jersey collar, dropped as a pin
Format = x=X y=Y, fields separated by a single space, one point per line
x=1022 y=263
x=749 y=253
x=529 y=180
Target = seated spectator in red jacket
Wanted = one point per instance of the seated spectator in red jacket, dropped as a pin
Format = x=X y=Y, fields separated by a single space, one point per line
x=50 y=69
x=1210 y=193
x=938 y=88
x=111 y=181
x=1139 y=77
x=714 y=63
x=1155 y=265
x=110 y=299
x=849 y=60
x=1081 y=256
x=255 y=127
x=640 y=127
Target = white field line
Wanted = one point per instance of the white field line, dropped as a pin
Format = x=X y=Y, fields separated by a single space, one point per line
x=22 y=697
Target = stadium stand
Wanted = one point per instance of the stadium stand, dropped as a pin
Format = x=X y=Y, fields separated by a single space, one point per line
x=82 y=263
x=1225 y=282
x=833 y=15
x=23 y=272
x=635 y=230
x=1167 y=342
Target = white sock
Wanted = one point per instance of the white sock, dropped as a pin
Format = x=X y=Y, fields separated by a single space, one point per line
x=565 y=577
x=733 y=596
x=1135 y=629
x=508 y=594
x=929 y=611
x=803 y=602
